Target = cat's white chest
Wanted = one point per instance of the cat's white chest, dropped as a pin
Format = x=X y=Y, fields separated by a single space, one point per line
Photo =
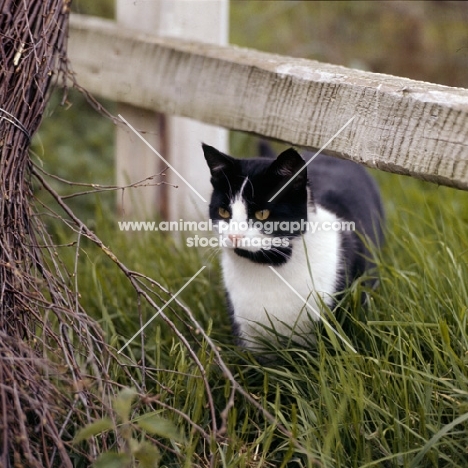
x=289 y=299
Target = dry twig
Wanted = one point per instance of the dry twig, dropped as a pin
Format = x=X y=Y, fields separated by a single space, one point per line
x=49 y=347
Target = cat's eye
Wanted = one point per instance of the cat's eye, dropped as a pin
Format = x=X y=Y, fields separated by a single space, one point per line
x=262 y=214
x=224 y=213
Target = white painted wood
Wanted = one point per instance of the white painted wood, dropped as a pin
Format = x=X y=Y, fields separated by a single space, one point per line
x=401 y=125
x=134 y=160
x=202 y=20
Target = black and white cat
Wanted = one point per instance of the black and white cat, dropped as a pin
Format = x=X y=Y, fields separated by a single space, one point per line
x=263 y=207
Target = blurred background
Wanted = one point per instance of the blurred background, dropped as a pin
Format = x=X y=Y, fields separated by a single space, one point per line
x=423 y=40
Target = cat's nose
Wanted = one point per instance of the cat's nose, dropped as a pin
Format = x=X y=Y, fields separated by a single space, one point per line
x=235 y=239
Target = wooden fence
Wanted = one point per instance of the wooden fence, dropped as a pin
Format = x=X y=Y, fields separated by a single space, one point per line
x=400 y=125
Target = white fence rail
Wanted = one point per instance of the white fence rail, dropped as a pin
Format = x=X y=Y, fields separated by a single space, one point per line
x=400 y=125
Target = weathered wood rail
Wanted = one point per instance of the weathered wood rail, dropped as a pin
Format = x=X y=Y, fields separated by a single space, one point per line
x=400 y=125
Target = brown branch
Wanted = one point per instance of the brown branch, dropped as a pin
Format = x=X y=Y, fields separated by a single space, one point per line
x=105 y=188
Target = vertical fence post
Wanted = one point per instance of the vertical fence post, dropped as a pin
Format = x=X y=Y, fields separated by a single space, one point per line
x=177 y=139
x=134 y=160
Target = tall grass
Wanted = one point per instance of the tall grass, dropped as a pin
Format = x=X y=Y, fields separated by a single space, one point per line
x=401 y=400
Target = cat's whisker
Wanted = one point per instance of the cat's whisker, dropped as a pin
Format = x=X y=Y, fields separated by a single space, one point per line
x=252 y=186
x=212 y=253
x=279 y=252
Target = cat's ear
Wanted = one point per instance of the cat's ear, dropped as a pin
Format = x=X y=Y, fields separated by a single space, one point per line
x=220 y=164
x=290 y=164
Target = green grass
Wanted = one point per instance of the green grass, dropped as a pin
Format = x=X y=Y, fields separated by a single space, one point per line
x=391 y=404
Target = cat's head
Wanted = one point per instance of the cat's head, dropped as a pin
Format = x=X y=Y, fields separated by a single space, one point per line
x=259 y=204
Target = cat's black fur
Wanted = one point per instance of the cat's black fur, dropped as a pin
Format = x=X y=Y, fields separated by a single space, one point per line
x=346 y=188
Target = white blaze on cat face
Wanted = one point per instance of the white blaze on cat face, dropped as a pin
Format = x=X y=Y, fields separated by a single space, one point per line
x=238 y=206
x=240 y=234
